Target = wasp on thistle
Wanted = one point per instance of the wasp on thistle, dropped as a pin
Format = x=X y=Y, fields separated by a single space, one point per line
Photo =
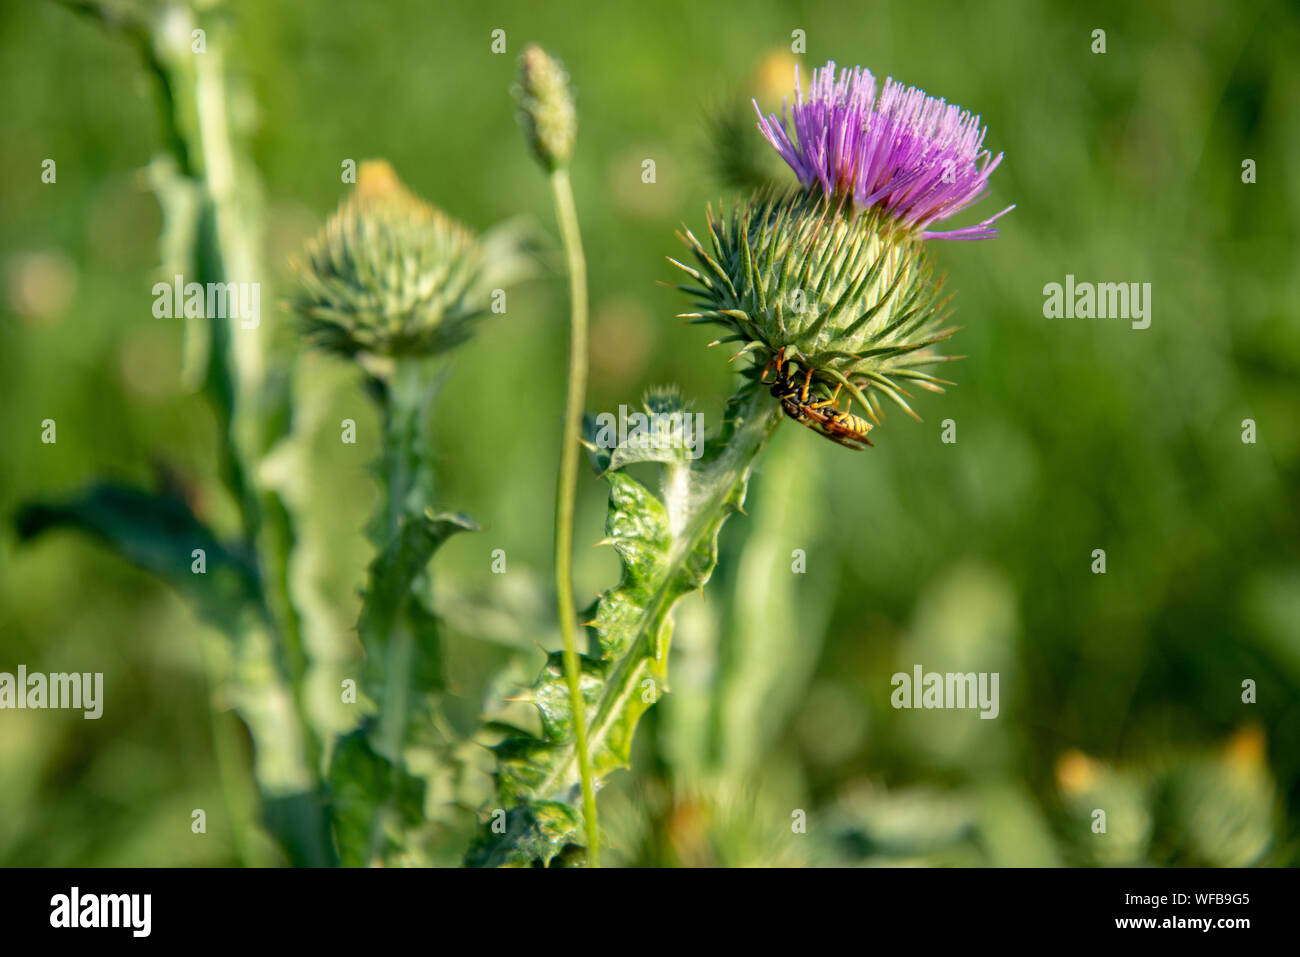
x=821 y=415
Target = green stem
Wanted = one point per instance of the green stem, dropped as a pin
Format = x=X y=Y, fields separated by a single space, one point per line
x=226 y=250
x=405 y=460
x=566 y=491
x=270 y=664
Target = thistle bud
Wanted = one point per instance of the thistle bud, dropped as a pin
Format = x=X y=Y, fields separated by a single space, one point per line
x=845 y=294
x=546 y=107
x=389 y=274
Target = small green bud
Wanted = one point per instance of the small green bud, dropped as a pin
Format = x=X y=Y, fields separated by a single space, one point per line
x=390 y=275
x=546 y=107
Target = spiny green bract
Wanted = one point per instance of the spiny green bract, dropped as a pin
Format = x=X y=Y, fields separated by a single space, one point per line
x=844 y=292
x=389 y=274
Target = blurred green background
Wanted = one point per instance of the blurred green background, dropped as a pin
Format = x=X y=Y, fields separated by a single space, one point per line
x=1119 y=691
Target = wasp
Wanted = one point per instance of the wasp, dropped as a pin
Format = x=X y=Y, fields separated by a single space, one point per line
x=821 y=415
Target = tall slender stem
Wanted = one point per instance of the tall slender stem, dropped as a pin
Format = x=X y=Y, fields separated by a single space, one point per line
x=566 y=490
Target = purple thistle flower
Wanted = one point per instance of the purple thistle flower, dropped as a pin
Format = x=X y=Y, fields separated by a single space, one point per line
x=916 y=157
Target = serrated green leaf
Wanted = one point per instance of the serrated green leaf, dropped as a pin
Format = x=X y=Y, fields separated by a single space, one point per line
x=361 y=781
x=158 y=533
x=668 y=546
x=663 y=433
x=301 y=823
x=529 y=835
x=389 y=597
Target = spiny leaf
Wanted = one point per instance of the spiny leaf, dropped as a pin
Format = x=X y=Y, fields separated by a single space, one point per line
x=668 y=547
x=155 y=532
x=360 y=781
x=381 y=799
x=541 y=837
x=159 y=533
x=392 y=573
x=666 y=432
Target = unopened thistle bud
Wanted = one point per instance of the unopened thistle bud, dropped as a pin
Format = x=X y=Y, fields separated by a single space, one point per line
x=546 y=107
x=842 y=293
x=390 y=275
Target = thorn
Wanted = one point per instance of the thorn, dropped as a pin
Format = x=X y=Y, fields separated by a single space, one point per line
x=604 y=541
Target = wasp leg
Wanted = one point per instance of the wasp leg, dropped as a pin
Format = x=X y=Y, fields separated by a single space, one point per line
x=807 y=381
x=773 y=366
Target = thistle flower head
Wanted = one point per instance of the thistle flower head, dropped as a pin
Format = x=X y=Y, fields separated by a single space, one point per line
x=389 y=274
x=915 y=157
x=844 y=293
x=546 y=107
